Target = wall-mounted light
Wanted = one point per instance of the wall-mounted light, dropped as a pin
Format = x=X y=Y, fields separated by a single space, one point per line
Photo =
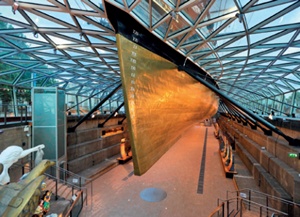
x=26 y=128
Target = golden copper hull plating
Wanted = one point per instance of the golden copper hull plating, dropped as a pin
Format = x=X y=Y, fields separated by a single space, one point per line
x=160 y=102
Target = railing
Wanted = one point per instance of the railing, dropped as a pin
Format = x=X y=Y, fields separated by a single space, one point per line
x=70 y=213
x=238 y=207
x=267 y=200
x=81 y=187
x=73 y=180
x=14 y=114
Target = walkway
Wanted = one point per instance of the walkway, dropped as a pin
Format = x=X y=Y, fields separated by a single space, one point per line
x=190 y=192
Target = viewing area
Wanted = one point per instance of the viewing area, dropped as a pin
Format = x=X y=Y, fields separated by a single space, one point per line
x=226 y=178
x=149 y=108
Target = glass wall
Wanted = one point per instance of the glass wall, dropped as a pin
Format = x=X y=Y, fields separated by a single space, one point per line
x=296 y=109
x=288 y=99
x=287 y=104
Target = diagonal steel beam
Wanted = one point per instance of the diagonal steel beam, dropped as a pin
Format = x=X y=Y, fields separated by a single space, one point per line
x=72 y=129
x=197 y=76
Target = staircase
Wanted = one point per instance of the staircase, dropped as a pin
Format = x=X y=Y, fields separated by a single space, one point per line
x=69 y=191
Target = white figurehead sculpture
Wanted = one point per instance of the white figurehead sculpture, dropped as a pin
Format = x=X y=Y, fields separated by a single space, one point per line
x=11 y=155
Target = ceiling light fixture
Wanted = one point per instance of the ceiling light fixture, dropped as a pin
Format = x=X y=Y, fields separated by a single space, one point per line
x=15 y=7
x=36 y=34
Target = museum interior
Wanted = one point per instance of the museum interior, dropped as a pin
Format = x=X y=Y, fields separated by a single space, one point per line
x=148 y=108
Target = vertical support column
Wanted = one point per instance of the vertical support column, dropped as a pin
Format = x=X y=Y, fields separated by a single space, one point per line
x=15 y=104
x=77 y=105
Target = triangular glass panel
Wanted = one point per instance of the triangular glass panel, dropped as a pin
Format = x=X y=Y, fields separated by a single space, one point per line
x=161 y=30
x=158 y=12
x=8 y=78
x=193 y=37
x=194 y=10
x=240 y=42
x=292 y=50
x=271 y=53
x=221 y=8
x=259 y=16
x=79 y=5
x=36 y=38
x=43 y=22
x=40 y=2
x=177 y=25
x=283 y=39
x=255 y=37
x=293 y=77
x=257 y=51
x=102 y=21
x=88 y=25
x=6 y=11
x=286 y=19
x=60 y=16
x=18 y=42
x=142 y=12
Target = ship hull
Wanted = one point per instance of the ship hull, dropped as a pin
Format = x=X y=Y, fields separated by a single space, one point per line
x=160 y=102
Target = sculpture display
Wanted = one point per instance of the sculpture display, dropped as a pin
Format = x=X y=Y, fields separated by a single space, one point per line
x=22 y=198
x=11 y=155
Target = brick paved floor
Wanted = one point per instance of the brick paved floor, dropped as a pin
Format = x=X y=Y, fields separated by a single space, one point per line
x=117 y=192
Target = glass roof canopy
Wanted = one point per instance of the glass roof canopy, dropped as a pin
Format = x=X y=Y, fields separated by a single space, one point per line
x=250 y=47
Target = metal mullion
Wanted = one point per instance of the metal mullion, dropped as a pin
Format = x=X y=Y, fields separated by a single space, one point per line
x=216 y=32
x=26 y=50
x=15 y=22
x=274 y=17
x=135 y=3
x=270 y=38
x=18 y=77
x=267 y=5
x=180 y=32
x=11 y=44
x=91 y=21
x=31 y=80
x=194 y=25
x=278 y=28
x=10 y=71
x=8 y=55
x=13 y=31
x=93 y=6
x=24 y=6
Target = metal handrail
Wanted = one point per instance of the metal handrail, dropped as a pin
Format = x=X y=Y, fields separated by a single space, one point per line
x=264 y=194
x=79 y=196
x=217 y=209
x=67 y=174
x=57 y=170
x=14 y=113
x=225 y=205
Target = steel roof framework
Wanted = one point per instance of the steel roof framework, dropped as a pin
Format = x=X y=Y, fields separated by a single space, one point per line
x=245 y=45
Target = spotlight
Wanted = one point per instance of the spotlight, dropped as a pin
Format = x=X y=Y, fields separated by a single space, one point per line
x=271 y=117
x=36 y=34
x=238 y=15
x=15 y=7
